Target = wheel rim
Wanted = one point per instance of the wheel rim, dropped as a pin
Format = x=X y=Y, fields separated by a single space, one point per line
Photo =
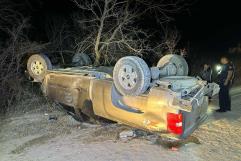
x=37 y=67
x=127 y=77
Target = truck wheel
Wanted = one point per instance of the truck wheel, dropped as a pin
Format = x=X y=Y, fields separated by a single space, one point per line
x=131 y=76
x=37 y=66
x=177 y=60
x=81 y=59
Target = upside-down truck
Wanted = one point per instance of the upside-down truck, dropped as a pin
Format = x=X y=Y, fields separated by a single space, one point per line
x=162 y=99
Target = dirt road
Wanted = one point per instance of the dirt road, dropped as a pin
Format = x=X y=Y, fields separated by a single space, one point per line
x=33 y=137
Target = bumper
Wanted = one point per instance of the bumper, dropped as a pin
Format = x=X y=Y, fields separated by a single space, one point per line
x=188 y=131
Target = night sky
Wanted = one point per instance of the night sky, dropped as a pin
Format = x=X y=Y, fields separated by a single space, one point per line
x=206 y=25
x=211 y=25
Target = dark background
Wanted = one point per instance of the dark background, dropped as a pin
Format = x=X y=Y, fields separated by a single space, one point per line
x=205 y=26
x=211 y=25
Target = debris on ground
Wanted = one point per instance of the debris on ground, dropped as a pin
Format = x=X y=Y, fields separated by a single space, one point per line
x=53 y=117
x=174 y=149
x=127 y=135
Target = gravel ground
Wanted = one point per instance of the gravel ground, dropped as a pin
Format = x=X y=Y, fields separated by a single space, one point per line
x=32 y=137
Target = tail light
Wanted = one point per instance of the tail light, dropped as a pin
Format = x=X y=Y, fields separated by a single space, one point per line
x=174 y=123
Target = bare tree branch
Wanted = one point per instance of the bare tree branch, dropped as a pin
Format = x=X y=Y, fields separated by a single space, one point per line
x=15 y=48
x=112 y=26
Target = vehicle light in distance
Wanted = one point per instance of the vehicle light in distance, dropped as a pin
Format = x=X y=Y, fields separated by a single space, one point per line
x=218 y=69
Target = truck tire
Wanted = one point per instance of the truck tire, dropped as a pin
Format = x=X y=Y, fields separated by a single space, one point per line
x=178 y=61
x=131 y=76
x=81 y=59
x=37 y=66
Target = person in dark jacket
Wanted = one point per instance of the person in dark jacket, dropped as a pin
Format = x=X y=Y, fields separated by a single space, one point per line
x=225 y=79
x=206 y=73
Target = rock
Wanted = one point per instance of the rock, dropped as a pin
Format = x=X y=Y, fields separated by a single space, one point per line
x=127 y=134
x=174 y=149
x=53 y=117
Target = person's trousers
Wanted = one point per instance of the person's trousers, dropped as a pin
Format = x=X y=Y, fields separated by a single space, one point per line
x=224 y=98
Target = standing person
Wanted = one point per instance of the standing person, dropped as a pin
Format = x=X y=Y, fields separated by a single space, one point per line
x=225 y=80
x=206 y=73
x=183 y=52
x=233 y=76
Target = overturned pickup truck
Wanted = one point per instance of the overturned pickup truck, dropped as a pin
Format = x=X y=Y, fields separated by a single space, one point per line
x=159 y=99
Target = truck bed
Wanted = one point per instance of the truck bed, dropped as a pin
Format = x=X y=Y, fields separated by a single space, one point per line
x=85 y=70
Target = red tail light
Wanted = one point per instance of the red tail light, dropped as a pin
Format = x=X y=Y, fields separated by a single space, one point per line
x=174 y=123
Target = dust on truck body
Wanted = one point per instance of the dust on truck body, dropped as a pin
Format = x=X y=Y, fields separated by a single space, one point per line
x=160 y=99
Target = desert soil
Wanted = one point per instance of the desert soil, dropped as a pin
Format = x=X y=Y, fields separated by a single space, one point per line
x=33 y=137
